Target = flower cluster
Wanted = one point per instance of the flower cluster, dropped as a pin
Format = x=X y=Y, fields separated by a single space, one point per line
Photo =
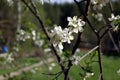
x=40 y=1
x=16 y=48
x=10 y=2
x=114 y=21
x=59 y=35
x=76 y=24
x=88 y=75
x=75 y=59
x=114 y=18
x=99 y=4
x=118 y=71
x=36 y=38
x=98 y=16
x=34 y=70
x=43 y=1
x=51 y=66
x=23 y=35
x=9 y=58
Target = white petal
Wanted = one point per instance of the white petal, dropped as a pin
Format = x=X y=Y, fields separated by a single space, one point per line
x=68 y=41
x=75 y=18
x=71 y=37
x=60 y=46
x=75 y=30
x=81 y=29
x=69 y=18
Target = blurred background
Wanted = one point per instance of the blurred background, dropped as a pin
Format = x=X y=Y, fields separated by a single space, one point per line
x=15 y=16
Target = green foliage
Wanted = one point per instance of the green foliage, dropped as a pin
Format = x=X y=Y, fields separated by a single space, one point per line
x=51 y=14
x=77 y=72
x=118 y=22
x=16 y=65
x=67 y=54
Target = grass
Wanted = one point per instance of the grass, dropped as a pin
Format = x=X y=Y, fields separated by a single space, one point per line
x=7 y=68
x=110 y=66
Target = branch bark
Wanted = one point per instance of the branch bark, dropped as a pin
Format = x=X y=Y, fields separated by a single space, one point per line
x=34 y=11
x=97 y=35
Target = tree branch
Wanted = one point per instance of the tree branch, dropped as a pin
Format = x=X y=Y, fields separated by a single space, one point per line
x=73 y=52
x=97 y=35
x=78 y=40
x=89 y=52
x=86 y=19
x=111 y=7
x=35 y=13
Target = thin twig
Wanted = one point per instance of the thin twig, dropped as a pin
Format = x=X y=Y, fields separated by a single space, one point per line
x=110 y=34
x=35 y=13
x=34 y=7
x=108 y=30
x=52 y=73
x=73 y=52
x=19 y=7
x=87 y=7
x=89 y=53
x=111 y=6
x=104 y=33
x=78 y=40
x=76 y=44
x=97 y=35
x=100 y=60
x=113 y=41
x=41 y=23
x=86 y=19
x=56 y=74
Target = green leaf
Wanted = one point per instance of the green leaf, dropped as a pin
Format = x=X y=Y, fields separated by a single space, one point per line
x=67 y=54
x=96 y=53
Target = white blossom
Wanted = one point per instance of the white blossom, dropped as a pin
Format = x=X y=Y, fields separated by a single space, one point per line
x=33 y=71
x=22 y=35
x=60 y=45
x=9 y=58
x=53 y=64
x=56 y=36
x=16 y=49
x=99 y=16
x=75 y=59
x=39 y=42
x=59 y=35
x=94 y=1
x=99 y=4
x=10 y=2
x=113 y=19
x=33 y=32
x=76 y=23
x=118 y=72
x=88 y=75
x=22 y=32
x=41 y=1
x=50 y=68
x=47 y=50
x=67 y=36
x=77 y=50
